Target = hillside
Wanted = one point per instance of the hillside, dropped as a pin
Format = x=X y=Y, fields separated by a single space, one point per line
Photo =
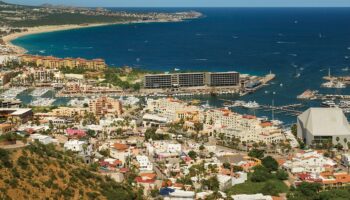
x=43 y=172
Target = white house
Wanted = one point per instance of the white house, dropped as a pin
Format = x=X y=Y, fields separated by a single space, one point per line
x=251 y=197
x=75 y=145
x=224 y=181
x=240 y=177
x=45 y=139
x=309 y=162
x=144 y=163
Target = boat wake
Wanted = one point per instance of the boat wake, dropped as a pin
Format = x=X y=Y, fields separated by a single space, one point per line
x=201 y=59
x=284 y=42
x=82 y=47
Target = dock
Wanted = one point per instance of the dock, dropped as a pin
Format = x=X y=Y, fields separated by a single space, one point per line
x=290 y=109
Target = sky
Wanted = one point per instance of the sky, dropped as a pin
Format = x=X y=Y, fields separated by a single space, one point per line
x=190 y=3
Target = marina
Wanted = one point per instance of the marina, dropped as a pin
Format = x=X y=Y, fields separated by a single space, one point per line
x=13 y=92
x=76 y=102
x=38 y=92
x=42 y=102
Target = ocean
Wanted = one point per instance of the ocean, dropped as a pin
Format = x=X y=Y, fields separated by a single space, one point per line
x=285 y=41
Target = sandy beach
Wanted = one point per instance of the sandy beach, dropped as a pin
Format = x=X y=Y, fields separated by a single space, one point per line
x=44 y=29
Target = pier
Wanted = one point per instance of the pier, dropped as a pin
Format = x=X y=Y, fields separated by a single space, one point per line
x=290 y=109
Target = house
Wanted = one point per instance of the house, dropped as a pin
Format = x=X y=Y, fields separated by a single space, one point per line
x=111 y=164
x=5 y=128
x=119 y=151
x=328 y=180
x=239 y=177
x=75 y=133
x=75 y=145
x=82 y=148
x=144 y=163
x=345 y=160
x=44 y=139
x=251 y=197
x=224 y=181
x=309 y=162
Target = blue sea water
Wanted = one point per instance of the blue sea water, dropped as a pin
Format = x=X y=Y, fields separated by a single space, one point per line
x=249 y=40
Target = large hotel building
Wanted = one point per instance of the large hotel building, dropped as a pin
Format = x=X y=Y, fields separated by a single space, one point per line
x=212 y=79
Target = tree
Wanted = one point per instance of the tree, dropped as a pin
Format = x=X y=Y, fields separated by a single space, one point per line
x=201 y=148
x=192 y=155
x=198 y=127
x=281 y=174
x=256 y=153
x=309 y=189
x=270 y=163
x=260 y=174
x=294 y=129
x=211 y=184
x=226 y=165
x=270 y=188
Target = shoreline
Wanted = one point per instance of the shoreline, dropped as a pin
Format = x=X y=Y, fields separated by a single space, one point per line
x=18 y=50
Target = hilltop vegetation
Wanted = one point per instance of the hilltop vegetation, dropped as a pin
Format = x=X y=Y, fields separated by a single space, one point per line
x=69 y=18
x=44 y=172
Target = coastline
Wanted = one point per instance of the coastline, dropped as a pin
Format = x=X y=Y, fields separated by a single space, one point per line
x=53 y=28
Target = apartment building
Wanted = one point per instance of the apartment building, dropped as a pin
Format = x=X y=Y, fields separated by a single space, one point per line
x=53 y=62
x=105 y=106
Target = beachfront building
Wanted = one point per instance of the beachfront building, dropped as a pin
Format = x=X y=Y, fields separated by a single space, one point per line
x=105 y=106
x=320 y=125
x=53 y=62
x=194 y=79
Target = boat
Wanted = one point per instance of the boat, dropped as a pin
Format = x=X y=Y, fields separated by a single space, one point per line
x=331 y=84
x=328 y=103
x=339 y=85
x=206 y=105
x=42 y=102
x=13 y=92
x=39 y=92
x=345 y=69
x=57 y=85
x=308 y=94
x=251 y=105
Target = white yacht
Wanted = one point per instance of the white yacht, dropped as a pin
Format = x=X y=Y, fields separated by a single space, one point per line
x=251 y=104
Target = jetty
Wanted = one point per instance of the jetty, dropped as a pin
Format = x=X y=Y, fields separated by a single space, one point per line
x=290 y=109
